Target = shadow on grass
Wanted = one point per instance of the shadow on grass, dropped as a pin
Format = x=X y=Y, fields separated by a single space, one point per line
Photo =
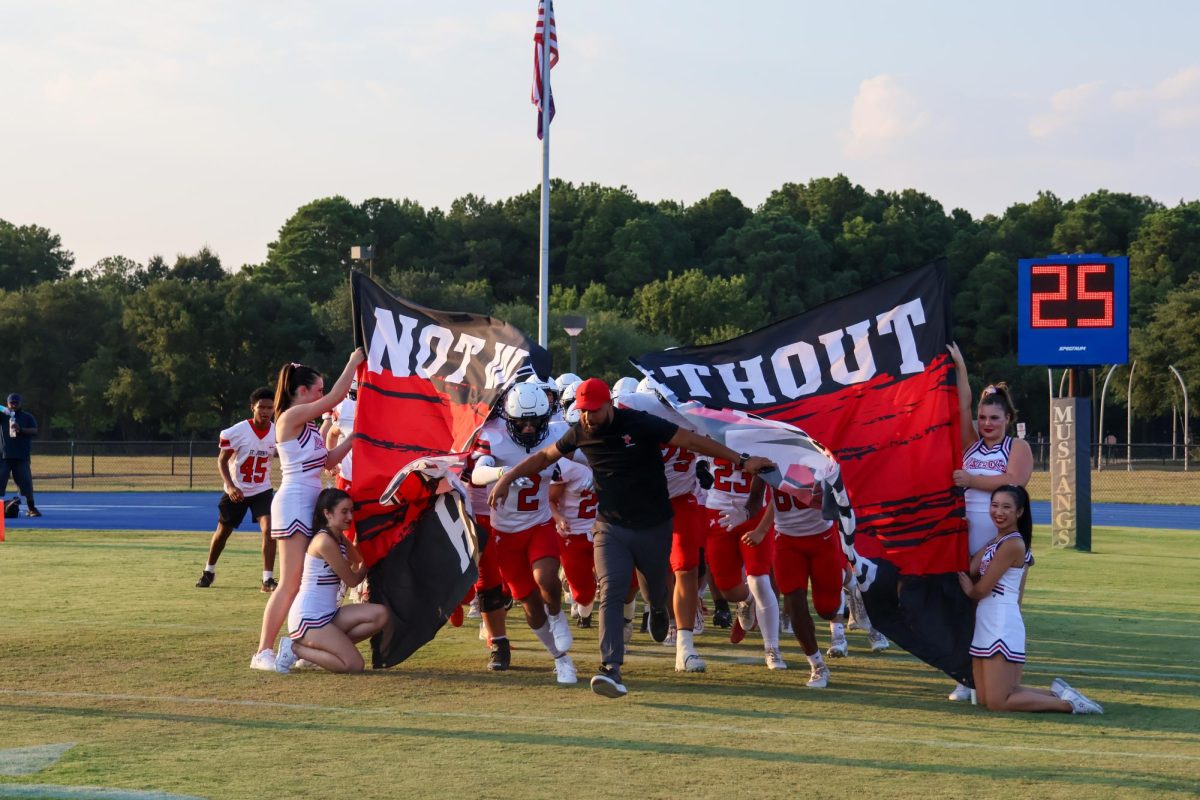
x=1058 y=773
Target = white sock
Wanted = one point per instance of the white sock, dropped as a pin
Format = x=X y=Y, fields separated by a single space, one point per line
x=630 y=608
x=837 y=630
x=268 y=575
x=547 y=639
x=211 y=568
x=768 y=609
x=815 y=660
x=556 y=619
x=585 y=610
x=683 y=642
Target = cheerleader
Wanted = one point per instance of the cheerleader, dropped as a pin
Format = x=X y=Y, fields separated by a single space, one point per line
x=996 y=580
x=299 y=398
x=318 y=630
x=991 y=458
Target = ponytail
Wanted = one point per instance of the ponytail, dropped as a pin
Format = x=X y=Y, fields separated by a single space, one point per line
x=327 y=501
x=291 y=377
x=997 y=394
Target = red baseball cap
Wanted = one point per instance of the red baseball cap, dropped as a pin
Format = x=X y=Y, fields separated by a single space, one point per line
x=592 y=394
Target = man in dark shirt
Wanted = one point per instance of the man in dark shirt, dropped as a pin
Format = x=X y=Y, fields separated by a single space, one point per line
x=633 y=522
x=17 y=430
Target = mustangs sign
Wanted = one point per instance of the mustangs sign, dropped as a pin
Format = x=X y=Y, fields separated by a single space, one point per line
x=869 y=376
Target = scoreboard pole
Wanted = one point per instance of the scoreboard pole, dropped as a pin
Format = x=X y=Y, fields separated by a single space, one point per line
x=1071 y=466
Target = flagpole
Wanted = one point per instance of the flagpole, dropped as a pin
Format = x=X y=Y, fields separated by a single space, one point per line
x=544 y=260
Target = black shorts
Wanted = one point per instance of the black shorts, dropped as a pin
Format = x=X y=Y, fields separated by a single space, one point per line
x=231 y=513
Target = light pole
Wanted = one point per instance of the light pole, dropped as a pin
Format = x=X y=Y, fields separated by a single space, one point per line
x=573 y=325
x=365 y=253
x=1186 y=439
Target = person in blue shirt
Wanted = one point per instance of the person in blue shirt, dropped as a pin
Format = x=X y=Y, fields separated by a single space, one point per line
x=16 y=439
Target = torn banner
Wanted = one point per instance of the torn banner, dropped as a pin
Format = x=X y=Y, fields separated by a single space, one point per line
x=869 y=375
x=927 y=615
x=430 y=380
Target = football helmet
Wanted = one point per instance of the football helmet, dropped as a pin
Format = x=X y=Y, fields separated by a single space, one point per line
x=525 y=403
x=567 y=379
x=551 y=390
x=624 y=386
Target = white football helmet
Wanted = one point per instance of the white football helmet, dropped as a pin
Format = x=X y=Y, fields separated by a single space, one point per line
x=624 y=386
x=550 y=388
x=567 y=379
x=648 y=385
x=525 y=403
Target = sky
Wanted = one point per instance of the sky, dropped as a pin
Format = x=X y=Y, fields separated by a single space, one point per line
x=141 y=128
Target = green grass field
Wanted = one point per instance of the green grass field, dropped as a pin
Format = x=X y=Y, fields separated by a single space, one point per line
x=150 y=473
x=108 y=648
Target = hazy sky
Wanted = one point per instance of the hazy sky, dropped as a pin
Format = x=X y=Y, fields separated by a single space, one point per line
x=137 y=128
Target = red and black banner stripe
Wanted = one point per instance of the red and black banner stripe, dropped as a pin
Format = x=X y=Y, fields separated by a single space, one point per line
x=867 y=376
x=430 y=380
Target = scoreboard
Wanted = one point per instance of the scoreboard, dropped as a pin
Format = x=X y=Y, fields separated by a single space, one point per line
x=1072 y=311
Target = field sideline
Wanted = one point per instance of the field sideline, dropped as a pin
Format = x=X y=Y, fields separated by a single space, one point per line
x=142 y=682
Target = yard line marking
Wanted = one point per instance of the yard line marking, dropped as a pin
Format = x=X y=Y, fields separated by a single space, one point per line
x=85 y=792
x=98 y=507
x=28 y=760
x=551 y=720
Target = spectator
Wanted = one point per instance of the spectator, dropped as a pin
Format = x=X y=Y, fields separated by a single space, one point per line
x=16 y=444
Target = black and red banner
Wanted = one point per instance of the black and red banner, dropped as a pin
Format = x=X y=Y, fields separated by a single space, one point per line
x=867 y=376
x=429 y=381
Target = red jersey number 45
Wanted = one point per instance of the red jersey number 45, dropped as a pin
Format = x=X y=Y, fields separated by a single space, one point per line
x=254 y=469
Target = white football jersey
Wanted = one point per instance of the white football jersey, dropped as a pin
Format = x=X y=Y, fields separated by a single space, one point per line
x=523 y=508
x=579 y=499
x=794 y=518
x=252 y=449
x=731 y=487
x=343 y=416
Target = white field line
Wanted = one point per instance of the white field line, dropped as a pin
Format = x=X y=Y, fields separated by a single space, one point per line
x=558 y=720
x=85 y=792
x=73 y=507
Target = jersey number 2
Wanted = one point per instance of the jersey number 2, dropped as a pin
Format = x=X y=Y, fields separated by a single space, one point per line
x=527 y=498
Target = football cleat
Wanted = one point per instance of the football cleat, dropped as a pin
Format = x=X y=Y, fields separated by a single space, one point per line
x=819 y=677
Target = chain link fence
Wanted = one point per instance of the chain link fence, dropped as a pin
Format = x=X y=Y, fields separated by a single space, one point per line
x=1157 y=473
x=1135 y=473
x=129 y=466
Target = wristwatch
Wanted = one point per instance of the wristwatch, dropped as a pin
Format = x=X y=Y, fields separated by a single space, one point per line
x=742 y=460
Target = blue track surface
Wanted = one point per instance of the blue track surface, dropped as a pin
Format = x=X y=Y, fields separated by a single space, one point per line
x=197 y=511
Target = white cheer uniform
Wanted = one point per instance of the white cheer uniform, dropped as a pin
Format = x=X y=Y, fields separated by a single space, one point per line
x=301 y=461
x=998 y=624
x=317 y=602
x=979 y=459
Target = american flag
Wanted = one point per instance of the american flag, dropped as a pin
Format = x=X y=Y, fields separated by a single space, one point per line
x=538 y=33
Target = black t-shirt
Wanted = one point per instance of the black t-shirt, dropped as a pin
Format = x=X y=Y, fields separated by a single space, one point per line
x=19 y=446
x=626 y=459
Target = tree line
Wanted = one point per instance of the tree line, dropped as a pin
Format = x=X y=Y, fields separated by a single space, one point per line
x=128 y=349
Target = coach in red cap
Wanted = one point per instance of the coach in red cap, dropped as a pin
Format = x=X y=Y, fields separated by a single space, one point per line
x=633 y=522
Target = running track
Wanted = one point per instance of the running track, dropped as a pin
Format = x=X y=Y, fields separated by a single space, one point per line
x=197 y=511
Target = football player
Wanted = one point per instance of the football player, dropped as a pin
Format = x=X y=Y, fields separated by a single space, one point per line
x=524 y=535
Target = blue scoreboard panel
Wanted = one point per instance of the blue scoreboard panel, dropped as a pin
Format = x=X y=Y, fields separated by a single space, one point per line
x=1072 y=311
